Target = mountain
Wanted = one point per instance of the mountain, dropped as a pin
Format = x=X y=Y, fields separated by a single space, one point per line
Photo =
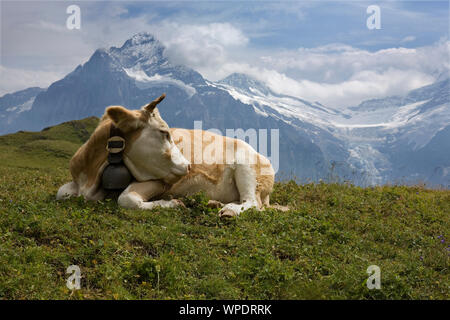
x=13 y=104
x=406 y=139
x=367 y=144
x=401 y=139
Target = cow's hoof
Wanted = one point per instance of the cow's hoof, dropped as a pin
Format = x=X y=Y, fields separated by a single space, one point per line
x=227 y=213
x=178 y=203
x=214 y=204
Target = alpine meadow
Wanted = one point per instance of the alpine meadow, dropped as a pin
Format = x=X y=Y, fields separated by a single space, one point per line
x=320 y=249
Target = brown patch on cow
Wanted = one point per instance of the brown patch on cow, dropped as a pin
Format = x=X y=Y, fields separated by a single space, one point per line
x=126 y=120
x=212 y=172
x=167 y=153
x=186 y=140
x=264 y=179
x=178 y=141
x=91 y=156
x=89 y=159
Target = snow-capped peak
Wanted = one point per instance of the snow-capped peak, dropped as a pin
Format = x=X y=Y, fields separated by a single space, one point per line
x=140 y=39
x=250 y=91
x=141 y=49
x=246 y=83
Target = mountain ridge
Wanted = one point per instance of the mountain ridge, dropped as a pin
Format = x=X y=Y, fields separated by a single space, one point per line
x=357 y=144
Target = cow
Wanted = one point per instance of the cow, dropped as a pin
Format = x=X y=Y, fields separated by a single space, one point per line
x=165 y=164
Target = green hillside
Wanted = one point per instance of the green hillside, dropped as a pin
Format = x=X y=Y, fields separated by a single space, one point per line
x=318 y=250
x=52 y=146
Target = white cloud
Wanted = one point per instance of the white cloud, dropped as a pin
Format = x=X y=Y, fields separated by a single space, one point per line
x=12 y=79
x=202 y=47
x=339 y=75
x=340 y=62
x=408 y=39
x=361 y=86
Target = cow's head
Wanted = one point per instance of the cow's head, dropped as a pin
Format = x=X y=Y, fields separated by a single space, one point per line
x=150 y=151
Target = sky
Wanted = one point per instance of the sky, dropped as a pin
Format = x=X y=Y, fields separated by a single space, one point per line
x=317 y=50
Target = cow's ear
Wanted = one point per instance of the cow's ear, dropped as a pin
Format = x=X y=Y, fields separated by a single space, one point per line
x=122 y=117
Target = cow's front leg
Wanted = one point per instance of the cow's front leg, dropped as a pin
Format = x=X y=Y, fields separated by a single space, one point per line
x=68 y=190
x=245 y=178
x=137 y=194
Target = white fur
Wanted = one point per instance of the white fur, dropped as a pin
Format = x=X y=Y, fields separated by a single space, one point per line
x=68 y=190
x=132 y=200
x=145 y=161
x=245 y=178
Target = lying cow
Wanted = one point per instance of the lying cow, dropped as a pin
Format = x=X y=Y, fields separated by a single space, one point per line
x=164 y=162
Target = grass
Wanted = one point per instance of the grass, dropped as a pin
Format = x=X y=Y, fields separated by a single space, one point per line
x=320 y=249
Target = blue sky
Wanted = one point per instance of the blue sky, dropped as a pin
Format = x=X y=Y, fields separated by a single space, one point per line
x=290 y=24
x=318 y=50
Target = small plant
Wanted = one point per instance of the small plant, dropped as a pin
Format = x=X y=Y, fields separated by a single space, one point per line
x=144 y=270
x=198 y=204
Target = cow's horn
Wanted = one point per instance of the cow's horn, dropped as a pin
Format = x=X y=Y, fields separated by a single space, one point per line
x=152 y=105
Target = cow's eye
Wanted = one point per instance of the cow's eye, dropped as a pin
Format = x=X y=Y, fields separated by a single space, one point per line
x=165 y=134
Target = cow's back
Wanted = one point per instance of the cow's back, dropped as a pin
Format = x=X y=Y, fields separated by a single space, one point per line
x=214 y=161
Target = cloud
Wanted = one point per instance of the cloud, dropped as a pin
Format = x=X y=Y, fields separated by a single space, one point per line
x=408 y=39
x=340 y=62
x=339 y=75
x=12 y=79
x=361 y=86
x=200 y=46
x=36 y=45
